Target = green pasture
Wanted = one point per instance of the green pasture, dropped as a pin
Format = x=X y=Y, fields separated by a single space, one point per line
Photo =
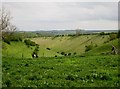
x=79 y=71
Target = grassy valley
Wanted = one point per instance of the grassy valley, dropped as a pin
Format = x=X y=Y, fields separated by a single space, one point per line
x=59 y=45
x=71 y=44
x=95 y=67
x=54 y=46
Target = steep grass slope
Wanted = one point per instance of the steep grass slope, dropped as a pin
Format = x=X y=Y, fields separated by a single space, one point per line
x=71 y=44
x=19 y=49
x=104 y=48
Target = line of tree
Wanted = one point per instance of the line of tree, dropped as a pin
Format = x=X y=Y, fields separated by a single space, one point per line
x=29 y=42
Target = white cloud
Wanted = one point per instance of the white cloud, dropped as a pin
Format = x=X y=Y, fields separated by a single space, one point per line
x=63 y=15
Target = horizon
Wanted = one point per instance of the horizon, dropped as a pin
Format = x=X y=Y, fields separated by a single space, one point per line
x=69 y=30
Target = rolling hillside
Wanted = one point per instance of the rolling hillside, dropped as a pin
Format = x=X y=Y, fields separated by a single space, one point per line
x=71 y=44
x=57 y=45
x=19 y=49
x=104 y=48
x=69 y=71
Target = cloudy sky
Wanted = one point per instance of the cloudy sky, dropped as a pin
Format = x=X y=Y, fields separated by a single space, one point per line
x=63 y=15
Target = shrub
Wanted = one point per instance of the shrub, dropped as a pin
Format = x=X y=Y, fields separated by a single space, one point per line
x=36 y=49
x=88 y=47
x=7 y=41
x=74 y=53
x=28 y=46
x=56 y=35
x=65 y=54
x=118 y=35
x=106 y=41
x=102 y=33
x=62 y=53
x=15 y=38
x=37 y=45
x=11 y=37
x=29 y=42
x=69 y=54
x=96 y=45
x=48 y=48
x=72 y=35
x=113 y=36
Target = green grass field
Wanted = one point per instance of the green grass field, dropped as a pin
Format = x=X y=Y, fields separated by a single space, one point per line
x=86 y=69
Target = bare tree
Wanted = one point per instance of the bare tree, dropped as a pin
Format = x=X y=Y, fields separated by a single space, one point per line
x=6 y=28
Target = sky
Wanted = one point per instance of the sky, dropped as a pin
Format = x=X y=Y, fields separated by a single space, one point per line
x=35 y=16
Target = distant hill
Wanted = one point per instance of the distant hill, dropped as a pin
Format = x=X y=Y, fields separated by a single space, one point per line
x=64 y=32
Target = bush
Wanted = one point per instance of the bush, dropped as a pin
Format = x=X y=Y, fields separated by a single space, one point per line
x=96 y=45
x=65 y=54
x=37 y=46
x=11 y=37
x=69 y=54
x=7 y=41
x=48 y=48
x=29 y=42
x=74 y=53
x=62 y=53
x=55 y=55
x=118 y=35
x=102 y=33
x=88 y=47
x=15 y=38
x=72 y=35
x=36 y=49
x=113 y=36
